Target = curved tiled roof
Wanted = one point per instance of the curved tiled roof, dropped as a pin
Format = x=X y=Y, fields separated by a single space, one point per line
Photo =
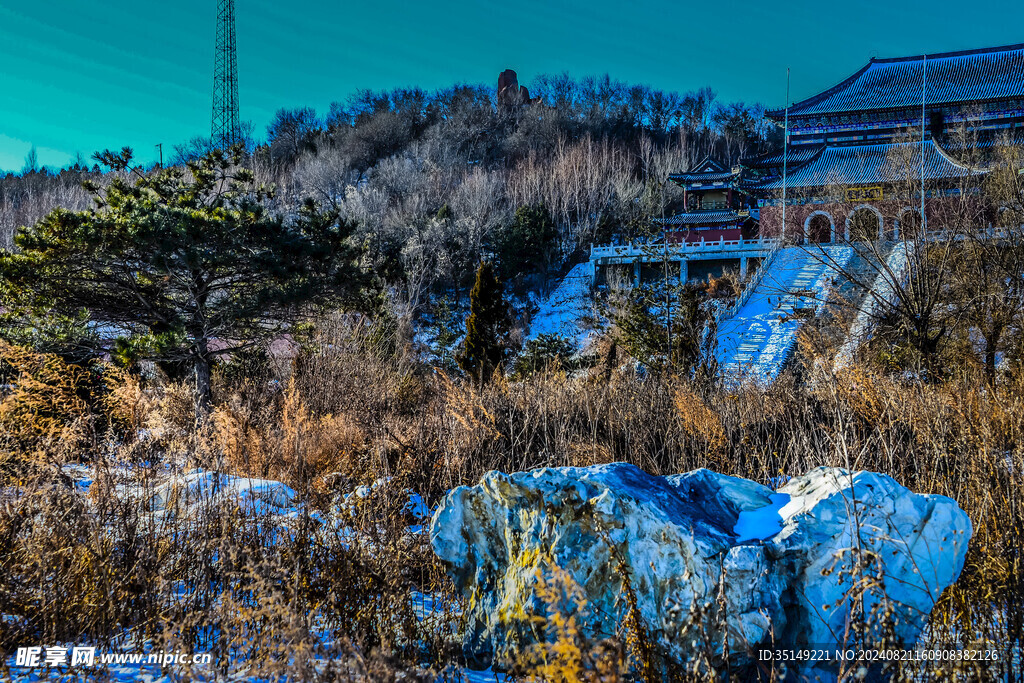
x=871 y=164
x=952 y=77
x=708 y=170
x=702 y=218
x=1015 y=138
x=704 y=177
x=708 y=165
x=796 y=156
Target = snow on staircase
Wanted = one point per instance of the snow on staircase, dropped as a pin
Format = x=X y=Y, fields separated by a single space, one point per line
x=883 y=293
x=758 y=339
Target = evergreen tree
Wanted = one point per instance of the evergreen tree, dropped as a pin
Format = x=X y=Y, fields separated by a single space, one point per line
x=551 y=352
x=486 y=344
x=188 y=265
x=669 y=329
x=447 y=329
x=527 y=244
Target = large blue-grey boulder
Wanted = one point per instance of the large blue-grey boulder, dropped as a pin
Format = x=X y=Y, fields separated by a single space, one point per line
x=719 y=566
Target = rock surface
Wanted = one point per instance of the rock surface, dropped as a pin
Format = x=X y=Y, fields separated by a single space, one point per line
x=708 y=556
x=510 y=93
x=915 y=543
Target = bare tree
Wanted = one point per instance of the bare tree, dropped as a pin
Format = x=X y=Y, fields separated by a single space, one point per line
x=292 y=131
x=989 y=266
x=31 y=162
x=326 y=175
x=902 y=274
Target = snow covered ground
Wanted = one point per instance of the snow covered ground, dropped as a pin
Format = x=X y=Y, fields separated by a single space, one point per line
x=567 y=306
x=199 y=487
x=883 y=291
x=179 y=496
x=757 y=341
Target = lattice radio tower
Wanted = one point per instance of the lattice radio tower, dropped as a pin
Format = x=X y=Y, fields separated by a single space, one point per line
x=225 y=130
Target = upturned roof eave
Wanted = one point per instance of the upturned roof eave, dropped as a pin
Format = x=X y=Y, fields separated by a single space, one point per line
x=959 y=170
x=796 y=108
x=915 y=107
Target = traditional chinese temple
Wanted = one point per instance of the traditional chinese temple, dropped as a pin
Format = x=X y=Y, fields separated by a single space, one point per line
x=980 y=89
x=853 y=146
x=854 y=154
x=716 y=232
x=716 y=205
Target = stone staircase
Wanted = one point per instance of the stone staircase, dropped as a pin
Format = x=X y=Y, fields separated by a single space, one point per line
x=757 y=340
x=869 y=306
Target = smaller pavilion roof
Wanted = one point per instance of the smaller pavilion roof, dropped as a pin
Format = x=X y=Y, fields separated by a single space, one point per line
x=702 y=218
x=707 y=171
x=702 y=177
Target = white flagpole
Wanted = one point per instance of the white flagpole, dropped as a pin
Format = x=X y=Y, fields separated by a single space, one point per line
x=924 y=89
x=785 y=157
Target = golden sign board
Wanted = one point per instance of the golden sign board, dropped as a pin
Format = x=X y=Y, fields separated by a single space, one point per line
x=863 y=194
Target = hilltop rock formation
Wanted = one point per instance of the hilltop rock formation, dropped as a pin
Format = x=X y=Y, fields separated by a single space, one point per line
x=510 y=93
x=709 y=557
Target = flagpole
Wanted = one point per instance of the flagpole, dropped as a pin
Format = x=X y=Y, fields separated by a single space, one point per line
x=924 y=89
x=785 y=157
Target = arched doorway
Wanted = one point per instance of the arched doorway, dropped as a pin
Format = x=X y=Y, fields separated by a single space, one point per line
x=864 y=224
x=819 y=228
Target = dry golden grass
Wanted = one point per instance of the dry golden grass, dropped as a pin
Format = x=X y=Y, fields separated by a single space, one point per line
x=293 y=446
x=45 y=413
x=349 y=413
x=563 y=653
x=699 y=422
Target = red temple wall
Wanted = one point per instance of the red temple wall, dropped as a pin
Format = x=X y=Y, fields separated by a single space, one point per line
x=938 y=210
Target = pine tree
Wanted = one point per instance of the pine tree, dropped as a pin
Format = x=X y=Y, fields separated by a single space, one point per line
x=486 y=344
x=642 y=328
x=527 y=244
x=189 y=266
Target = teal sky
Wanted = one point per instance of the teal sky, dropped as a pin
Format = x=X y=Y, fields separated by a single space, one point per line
x=80 y=76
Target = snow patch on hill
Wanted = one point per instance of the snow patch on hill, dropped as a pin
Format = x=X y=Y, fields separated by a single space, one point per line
x=563 y=311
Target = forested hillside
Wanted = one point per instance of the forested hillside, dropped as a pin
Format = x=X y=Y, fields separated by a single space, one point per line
x=438 y=180
x=236 y=393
